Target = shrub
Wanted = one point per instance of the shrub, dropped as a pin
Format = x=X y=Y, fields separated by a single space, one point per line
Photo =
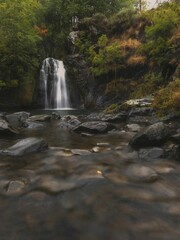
x=168 y=98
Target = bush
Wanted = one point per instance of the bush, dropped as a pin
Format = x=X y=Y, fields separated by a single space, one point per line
x=168 y=98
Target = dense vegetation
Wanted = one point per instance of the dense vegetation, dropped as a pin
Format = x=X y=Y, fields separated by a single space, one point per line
x=117 y=41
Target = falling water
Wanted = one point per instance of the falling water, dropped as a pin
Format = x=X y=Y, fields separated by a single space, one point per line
x=53 y=84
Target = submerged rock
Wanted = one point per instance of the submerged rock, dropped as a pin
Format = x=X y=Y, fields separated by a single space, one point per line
x=152 y=135
x=140 y=173
x=152 y=153
x=25 y=146
x=94 y=127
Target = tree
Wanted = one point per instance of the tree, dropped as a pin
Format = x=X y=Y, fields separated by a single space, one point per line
x=19 y=38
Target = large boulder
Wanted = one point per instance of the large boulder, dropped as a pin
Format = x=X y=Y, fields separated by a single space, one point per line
x=151 y=136
x=6 y=127
x=17 y=119
x=115 y=118
x=26 y=146
x=94 y=127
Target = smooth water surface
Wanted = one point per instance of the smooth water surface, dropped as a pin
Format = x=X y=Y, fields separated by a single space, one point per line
x=70 y=192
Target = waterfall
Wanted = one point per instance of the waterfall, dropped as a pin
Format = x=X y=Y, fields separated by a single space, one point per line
x=53 y=84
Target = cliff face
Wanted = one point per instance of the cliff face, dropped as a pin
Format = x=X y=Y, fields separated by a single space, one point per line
x=128 y=55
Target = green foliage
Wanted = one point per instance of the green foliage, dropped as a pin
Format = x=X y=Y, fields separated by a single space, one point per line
x=164 y=21
x=122 y=20
x=113 y=108
x=106 y=57
x=149 y=85
x=19 y=39
x=168 y=98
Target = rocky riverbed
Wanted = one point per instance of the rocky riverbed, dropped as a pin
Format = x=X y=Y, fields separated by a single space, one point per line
x=97 y=176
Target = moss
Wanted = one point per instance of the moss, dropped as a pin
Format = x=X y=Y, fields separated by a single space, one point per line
x=113 y=108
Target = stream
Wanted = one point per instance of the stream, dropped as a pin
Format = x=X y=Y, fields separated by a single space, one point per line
x=86 y=188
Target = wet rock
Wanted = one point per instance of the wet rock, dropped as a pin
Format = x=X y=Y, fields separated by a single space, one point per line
x=5 y=126
x=176 y=137
x=115 y=118
x=34 y=125
x=177 y=153
x=15 y=186
x=103 y=144
x=81 y=152
x=86 y=134
x=54 y=185
x=142 y=111
x=100 y=149
x=133 y=127
x=151 y=153
x=140 y=173
x=152 y=135
x=69 y=124
x=40 y=118
x=56 y=116
x=68 y=118
x=94 y=127
x=25 y=146
x=17 y=119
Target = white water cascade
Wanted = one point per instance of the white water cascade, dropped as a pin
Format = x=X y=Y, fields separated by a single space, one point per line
x=53 y=84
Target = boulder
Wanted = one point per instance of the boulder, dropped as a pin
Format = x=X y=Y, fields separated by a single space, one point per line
x=150 y=136
x=94 y=127
x=17 y=119
x=26 y=146
x=6 y=127
x=69 y=124
x=141 y=111
x=115 y=118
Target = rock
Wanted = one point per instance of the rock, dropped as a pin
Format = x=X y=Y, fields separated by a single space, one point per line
x=34 y=125
x=103 y=144
x=40 y=118
x=55 y=116
x=25 y=146
x=94 y=127
x=150 y=136
x=115 y=118
x=176 y=137
x=15 y=186
x=142 y=102
x=152 y=153
x=69 y=124
x=140 y=173
x=177 y=153
x=141 y=111
x=68 y=118
x=5 y=126
x=133 y=127
x=100 y=149
x=17 y=119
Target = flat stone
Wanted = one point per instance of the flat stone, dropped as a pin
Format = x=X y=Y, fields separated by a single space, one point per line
x=150 y=136
x=25 y=146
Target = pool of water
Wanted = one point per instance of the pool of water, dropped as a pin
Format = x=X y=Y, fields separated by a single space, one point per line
x=59 y=195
